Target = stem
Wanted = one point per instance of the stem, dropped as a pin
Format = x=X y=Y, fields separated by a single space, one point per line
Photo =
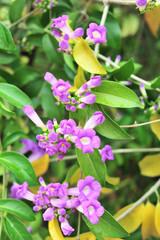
x=23 y=18
x=140 y=124
x=79 y=215
x=122 y=2
x=65 y=158
x=142 y=199
x=135 y=150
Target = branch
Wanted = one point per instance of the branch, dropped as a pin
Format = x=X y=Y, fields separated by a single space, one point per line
x=140 y=124
x=142 y=199
x=122 y=2
x=115 y=151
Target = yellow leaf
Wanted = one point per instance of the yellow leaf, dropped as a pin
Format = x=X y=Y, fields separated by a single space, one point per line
x=133 y=220
x=150 y=165
x=113 y=180
x=48 y=238
x=41 y=165
x=148 y=223
x=79 y=80
x=155 y=126
x=83 y=236
x=153 y=20
x=85 y=58
x=157 y=217
x=75 y=177
x=55 y=230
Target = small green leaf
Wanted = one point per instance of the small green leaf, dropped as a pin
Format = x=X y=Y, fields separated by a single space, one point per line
x=70 y=62
x=6 y=40
x=15 y=229
x=6 y=58
x=50 y=46
x=18 y=208
x=16 y=10
x=5 y=111
x=116 y=95
x=70 y=172
x=14 y=95
x=10 y=139
x=20 y=166
x=109 y=128
x=107 y=227
x=156 y=83
x=91 y=164
x=124 y=72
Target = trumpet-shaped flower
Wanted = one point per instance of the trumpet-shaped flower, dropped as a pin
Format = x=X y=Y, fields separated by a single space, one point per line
x=96 y=34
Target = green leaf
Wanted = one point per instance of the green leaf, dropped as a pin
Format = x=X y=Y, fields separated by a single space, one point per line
x=156 y=83
x=15 y=229
x=70 y=172
x=24 y=75
x=14 y=95
x=20 y=166
x=116 y=95
x=18 y=208
x=107 y=226
x=6 y=58
x=49 y=106
x=70 y=62
x=6 y=40
x=91 y=164
x=109 y=128
x=16 y=10
x=10 y=139
x=124 y=72
x=5 y=111
x=50 y=46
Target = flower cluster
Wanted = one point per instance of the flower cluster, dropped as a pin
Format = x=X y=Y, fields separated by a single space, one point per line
x=26 y=45
x=66 y=37
x=57 y=138
x=141 y=4
x=81 y=97
x=44 y=5
x=59 y=201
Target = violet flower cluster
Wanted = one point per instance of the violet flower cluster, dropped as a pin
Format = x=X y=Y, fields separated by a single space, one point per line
x=67 y=37
x=57 y=138
x=81 y=97
x=44 y=5
x=57 y=200
x=141 y=4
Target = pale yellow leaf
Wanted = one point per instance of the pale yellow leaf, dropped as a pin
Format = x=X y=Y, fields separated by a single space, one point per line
x=153 y=20
x=133 y=220
x=55 y=230
x=114 y=181
x=156 y=126
x=157 y=217
x=75 y=177
x=83 y=236
x=85 y=58
x=150 y=165
x=148 y=222
x=41 y=165
x=79 y=80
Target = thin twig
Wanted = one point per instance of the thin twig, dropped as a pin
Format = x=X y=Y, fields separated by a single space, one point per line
x=23 y=18
x=142 y=199
x=128 y=150
x=140 y=124
x=122 y=2
x=65 y=158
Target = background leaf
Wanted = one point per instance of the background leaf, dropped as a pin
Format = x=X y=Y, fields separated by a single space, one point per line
x=16 y=10
x=6 y=40
x=150 y=165
x=37 y=165
x=8 y=140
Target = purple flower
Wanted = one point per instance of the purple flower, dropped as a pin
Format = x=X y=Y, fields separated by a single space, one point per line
x=66 y=228
x=78 y=33
x=65 y=46
x=60 y=88
x=88 y=98
x=118 y=59
x=88 y=189
x=92 y=210
x=141 y=4
x=82 y=89
x=63 y=145
x=61 y=24
x=67 y=126
x=56 y=190
x=30 y=112
x=106 y=153
x=96 y=34
x=49 y=77
x=96 y=119
x=21 y=191
x=94 y=82
x=87 y=140
x=48 y=215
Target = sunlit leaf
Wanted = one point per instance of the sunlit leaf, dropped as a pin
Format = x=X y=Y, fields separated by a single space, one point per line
x=153 y=20
x=79 y=80
x=55 y=230
x=41 y=165
x=75 y=177
x=133 y=220
x=150 y=165
x=156 y=126
x=85 y=58
x=148 y=223
x=112 y=180
x=157 y=217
